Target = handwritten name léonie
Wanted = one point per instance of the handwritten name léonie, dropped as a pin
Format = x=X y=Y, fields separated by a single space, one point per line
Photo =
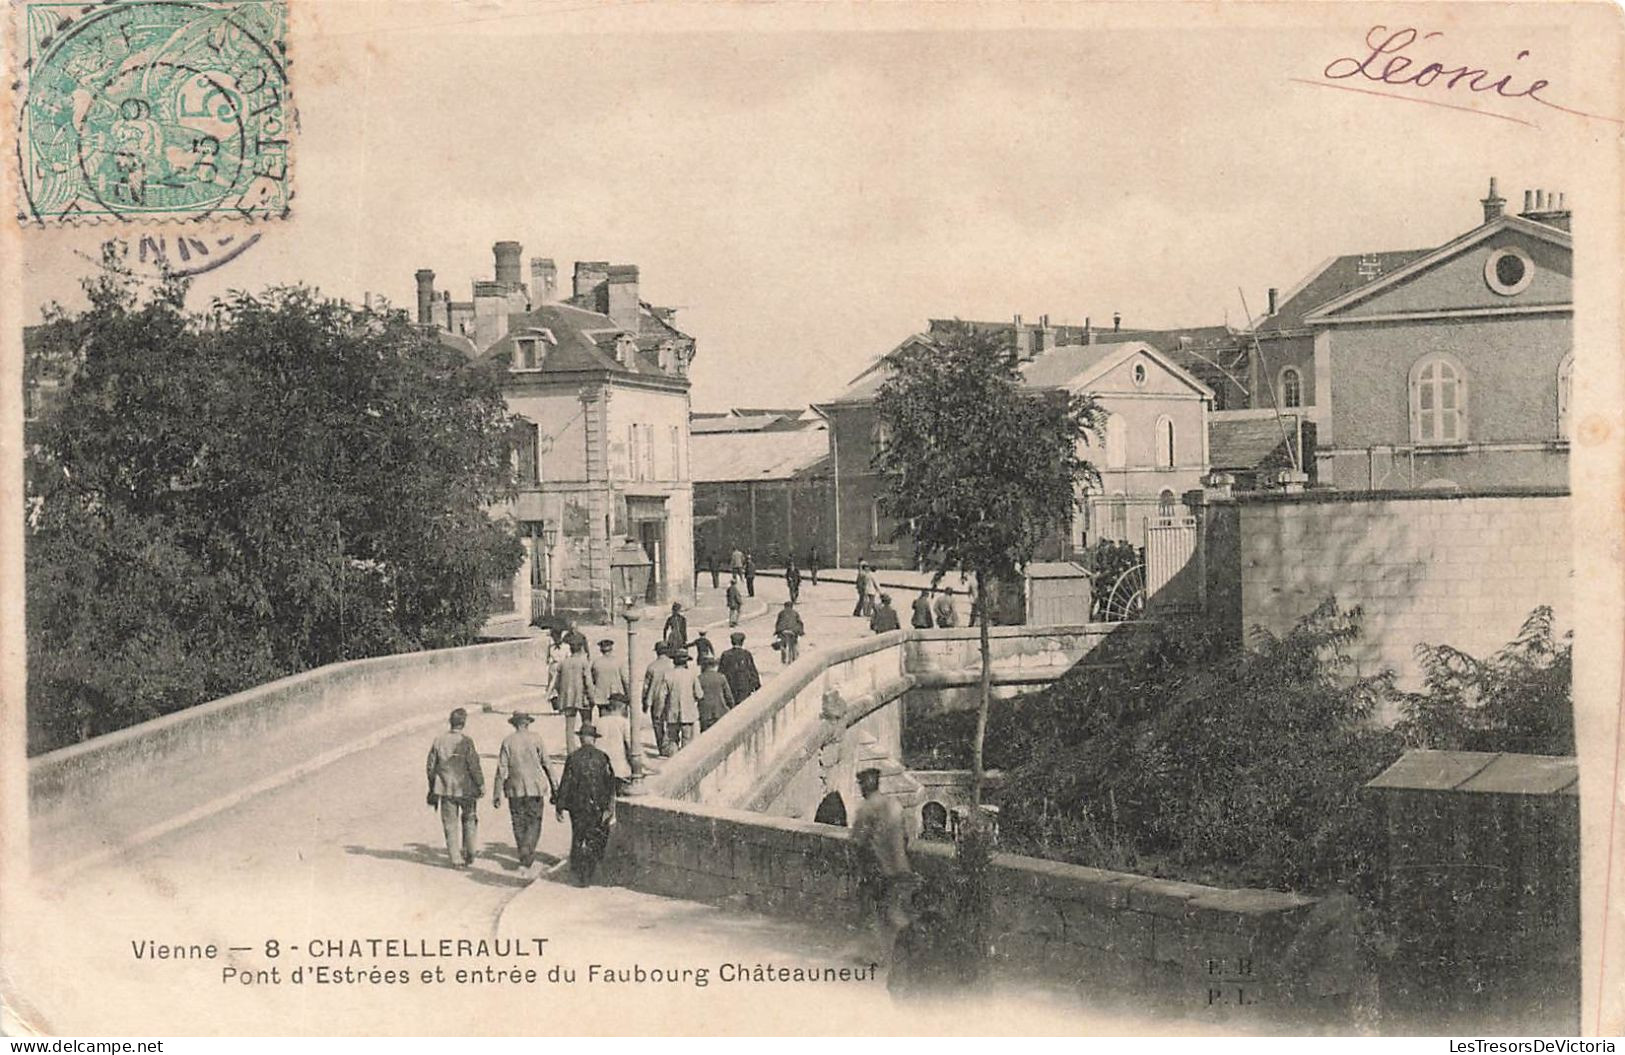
x=1387 y=63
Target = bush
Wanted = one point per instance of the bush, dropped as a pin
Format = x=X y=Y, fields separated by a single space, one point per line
x=1243 y=767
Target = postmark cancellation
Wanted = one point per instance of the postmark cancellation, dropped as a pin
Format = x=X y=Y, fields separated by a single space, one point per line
x=151 y=110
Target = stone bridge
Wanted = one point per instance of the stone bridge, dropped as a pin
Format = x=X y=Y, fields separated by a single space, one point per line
x=295 y=811
x=729 y=821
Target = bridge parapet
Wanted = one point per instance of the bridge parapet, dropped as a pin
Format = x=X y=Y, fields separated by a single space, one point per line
x=758 y=750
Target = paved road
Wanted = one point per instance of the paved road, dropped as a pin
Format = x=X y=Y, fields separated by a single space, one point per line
x=348 y=851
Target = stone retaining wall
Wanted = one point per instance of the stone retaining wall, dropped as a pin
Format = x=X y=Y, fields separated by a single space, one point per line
x=1193 y=949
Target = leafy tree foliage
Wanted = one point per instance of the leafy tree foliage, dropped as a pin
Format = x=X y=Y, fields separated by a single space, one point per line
x=979 y=468
x=1517 y=700
x=1180 y=757
x=224 y=498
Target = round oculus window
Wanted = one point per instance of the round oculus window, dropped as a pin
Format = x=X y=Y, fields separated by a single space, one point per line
x=1139 y=373
x=1509 y=271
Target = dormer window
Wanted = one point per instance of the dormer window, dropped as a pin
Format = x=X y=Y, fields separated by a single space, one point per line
x=626 y=349
x=530 y=349
x=667 y=356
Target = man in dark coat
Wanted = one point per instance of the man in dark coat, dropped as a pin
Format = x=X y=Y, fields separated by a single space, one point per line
x=719 y=695
x=815 y=563
x=792 y=579
x=587 y=793
x=739 y=667
x=703 y=648
x=885 y=617
x=787 y=630
x=711 y=566
x=736 y=603
x=675 y=632
x=922 y=611
x=750 y=575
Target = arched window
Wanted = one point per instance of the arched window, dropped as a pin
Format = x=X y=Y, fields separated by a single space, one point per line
x=1565 y=390
x=1165 y=443
x=1116 y=442
x=1291 y=387
x=1166 y=504
x=1438 y=400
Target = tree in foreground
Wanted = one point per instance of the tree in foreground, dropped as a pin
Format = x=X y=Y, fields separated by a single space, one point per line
x=224 y=498
x=980 y=469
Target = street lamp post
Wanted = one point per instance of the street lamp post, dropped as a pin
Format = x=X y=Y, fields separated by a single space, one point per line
x=550 y=538
x=631 y=567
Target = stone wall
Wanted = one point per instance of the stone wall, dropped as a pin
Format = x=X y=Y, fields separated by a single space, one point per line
x=798 y=736
x=1192 y=949
x=384 y=689
x=1426 y=567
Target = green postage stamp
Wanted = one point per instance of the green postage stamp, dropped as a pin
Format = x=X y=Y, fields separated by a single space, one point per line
x=155 y=110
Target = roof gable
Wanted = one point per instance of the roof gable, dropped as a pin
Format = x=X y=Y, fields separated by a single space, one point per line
x=1108 y=368
x=1452 y=279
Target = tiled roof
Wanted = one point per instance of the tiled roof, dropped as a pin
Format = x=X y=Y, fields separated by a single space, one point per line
x=1341 y=275
x=586 y=339
x=1054 y=368
x=732 y=423
x=768 y=455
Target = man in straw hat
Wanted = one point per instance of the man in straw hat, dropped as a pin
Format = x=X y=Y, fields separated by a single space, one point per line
x=521 y=772
x=587 y=793
x=456 y=782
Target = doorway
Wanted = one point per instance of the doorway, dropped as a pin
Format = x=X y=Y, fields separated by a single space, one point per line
x=652 y=535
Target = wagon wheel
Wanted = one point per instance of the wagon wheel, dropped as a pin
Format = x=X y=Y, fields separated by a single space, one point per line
x=1126 y=598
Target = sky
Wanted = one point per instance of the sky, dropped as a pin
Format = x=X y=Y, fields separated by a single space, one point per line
x=810 y=185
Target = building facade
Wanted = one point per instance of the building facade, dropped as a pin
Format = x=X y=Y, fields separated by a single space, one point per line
x=598 y=380
x=1153 y=451
x=1448 y=367
x=762 y=485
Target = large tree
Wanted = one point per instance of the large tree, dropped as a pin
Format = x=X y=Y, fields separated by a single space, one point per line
x=225 y=497
x=980 y=468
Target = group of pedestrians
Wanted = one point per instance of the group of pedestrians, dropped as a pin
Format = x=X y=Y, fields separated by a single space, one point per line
x=689 y=687
x=875 y=605
x=585 y=790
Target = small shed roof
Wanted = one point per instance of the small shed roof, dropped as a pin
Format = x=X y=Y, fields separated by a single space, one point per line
x=1481 y=772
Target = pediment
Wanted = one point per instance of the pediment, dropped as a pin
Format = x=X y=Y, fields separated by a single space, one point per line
x=1509 y=266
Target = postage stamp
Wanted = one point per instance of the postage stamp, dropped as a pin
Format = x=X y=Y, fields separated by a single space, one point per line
x=155 y=110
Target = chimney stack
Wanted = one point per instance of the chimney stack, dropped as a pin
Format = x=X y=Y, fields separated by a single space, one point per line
x=1493 y=204
x=622 y=285
x=1088 y=331
x=590 y=275
x=507 y=264
x=1023 y=340
x=1274 y=296
x=1548 y=207
x=1117 y=321
x=1528 y=201
x=1540 y=200
x=544 y=281
x=425 y=279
